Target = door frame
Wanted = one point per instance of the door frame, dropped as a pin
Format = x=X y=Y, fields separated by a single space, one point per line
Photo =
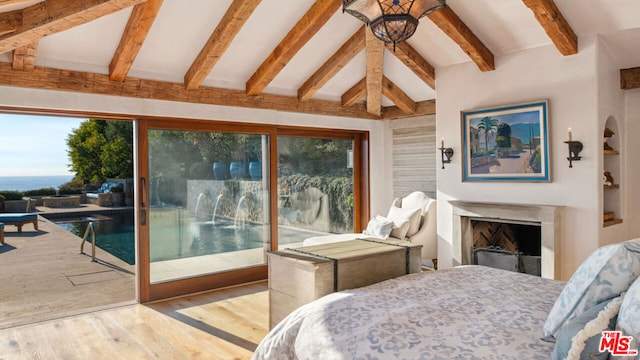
x=151 y=292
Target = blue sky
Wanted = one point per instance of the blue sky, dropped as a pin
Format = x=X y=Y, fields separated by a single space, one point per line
x=35 y=145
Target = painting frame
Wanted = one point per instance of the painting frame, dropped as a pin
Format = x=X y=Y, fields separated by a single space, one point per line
x=520 y=156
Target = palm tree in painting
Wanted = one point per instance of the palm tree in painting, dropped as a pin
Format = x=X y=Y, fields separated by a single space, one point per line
x=486 y=126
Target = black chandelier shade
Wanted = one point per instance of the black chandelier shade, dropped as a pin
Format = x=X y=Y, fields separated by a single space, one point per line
x=391 y=21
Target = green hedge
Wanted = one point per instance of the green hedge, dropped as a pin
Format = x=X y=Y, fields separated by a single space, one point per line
x=12 y=195
x=41 y=192
x=70 y=190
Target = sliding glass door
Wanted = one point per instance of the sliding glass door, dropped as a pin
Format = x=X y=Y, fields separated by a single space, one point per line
x=208 y=194
x=315 y=188
x=205 y=206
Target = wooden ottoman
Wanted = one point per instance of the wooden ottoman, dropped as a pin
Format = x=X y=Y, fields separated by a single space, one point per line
x=301 y=275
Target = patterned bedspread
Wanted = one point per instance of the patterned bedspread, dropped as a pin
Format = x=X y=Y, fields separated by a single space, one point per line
x=468 y=312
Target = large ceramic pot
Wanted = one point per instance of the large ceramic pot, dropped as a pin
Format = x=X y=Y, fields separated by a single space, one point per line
x=237 y=170
x=221 y=170
x=255 y=170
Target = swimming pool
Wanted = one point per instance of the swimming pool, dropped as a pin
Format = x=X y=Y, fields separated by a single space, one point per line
x=115 y=233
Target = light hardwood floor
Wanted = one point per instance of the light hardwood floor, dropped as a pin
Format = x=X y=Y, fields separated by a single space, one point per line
x=223 y=324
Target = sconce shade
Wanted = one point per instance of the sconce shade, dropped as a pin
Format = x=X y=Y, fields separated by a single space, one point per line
x=391 y=21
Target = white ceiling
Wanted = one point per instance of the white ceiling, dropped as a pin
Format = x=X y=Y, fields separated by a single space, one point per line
x=182 y=28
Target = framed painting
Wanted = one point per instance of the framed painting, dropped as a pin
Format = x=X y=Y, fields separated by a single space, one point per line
x=507 y=143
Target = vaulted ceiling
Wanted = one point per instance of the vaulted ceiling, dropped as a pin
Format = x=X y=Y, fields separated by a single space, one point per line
x=301 y=56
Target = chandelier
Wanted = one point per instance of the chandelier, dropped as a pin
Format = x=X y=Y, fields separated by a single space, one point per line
x=391 y=21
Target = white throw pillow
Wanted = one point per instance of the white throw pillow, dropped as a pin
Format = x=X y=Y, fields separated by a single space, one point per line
x=412 y=215
x=379 y=227
x=400 y=228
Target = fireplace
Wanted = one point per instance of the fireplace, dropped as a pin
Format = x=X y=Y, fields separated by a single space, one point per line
x=546 y=217
x=508 y=245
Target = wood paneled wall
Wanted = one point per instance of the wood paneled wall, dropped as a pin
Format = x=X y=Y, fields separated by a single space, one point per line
x=414 y=155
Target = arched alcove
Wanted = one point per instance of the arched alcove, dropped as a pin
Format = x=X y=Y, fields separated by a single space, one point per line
x=611 y=173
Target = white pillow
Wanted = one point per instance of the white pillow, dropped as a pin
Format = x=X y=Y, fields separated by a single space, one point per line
x=412 y=215
x=400 y=228
x=379 y=227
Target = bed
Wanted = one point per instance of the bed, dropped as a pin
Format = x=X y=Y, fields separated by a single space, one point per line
x=433 y=315
x=470 y=312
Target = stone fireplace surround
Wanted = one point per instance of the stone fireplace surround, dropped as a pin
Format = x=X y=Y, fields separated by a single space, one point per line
x=548 y=217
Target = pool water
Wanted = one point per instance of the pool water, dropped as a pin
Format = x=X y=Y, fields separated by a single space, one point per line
x=116 y=235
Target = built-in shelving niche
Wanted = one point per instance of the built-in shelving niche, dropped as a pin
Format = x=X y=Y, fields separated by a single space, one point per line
x=611 y=173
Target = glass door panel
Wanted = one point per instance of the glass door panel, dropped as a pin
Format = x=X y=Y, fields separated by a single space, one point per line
x=208 y=203
x=315 y=188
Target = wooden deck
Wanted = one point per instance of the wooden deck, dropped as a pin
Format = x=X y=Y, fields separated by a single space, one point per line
x=43 y=276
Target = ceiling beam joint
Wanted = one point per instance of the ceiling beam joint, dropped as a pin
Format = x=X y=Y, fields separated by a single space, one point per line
x=630 y=78
x=52 y=16
x=24 y=58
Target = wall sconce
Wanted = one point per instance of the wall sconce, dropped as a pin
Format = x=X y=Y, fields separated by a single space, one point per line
x=574 y=150
x=445 y=152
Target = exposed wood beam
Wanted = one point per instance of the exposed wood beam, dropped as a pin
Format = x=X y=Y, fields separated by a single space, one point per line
x=459 y=32
x=138 y=26
x=52 y=16
x=24 y=58
x=375 y=59
x=416 y=63
x=319 y=13
x=8 y=2
x=91 y=83
x=630 y=78
x=399 y=97
x=355 y=93
x=10 y=22
x=219 y=41
x=333 y=65
x=427 y=107
x=555 y=25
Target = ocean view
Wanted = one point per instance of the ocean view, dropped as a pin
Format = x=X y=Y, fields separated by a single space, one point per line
x=22 y=183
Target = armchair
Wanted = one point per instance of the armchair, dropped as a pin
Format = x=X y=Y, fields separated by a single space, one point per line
x=425 y=236
x=103 y=196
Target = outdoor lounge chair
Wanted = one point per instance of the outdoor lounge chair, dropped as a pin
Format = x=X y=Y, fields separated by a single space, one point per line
x=1 y=234
x=19 y=219
x=103 y=196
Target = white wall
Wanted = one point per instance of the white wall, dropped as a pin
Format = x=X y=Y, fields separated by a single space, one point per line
x=569 y=84
x=611 y=101
x=380 y=184
x=632 y=163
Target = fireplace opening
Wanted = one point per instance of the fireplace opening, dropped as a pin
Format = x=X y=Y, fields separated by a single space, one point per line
x=513 y=246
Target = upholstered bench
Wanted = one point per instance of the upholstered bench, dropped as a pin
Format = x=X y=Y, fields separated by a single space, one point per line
x=19 y=219
x=1 y=234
